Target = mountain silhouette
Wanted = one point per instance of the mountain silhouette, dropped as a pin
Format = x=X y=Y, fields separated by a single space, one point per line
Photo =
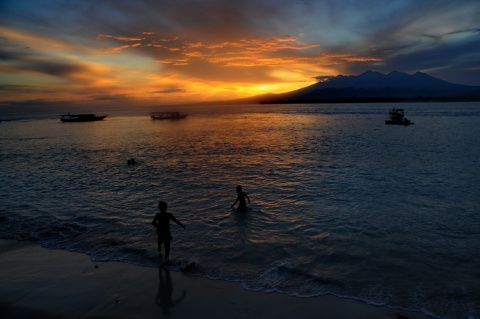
x=373 y=86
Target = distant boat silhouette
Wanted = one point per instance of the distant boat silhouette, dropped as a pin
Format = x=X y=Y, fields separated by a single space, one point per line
x=397 y=117
x=81 y=117
x=167 y=116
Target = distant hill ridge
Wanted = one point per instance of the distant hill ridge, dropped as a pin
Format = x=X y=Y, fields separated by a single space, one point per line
x=372 y=79
x=372 y=86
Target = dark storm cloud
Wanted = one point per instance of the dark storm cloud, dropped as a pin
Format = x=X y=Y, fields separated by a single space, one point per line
x=21 y=60
x=438 y=37
x=216 y=18
x=60 y=69
x=17 y=88
x=53 y=68
x=7 y=56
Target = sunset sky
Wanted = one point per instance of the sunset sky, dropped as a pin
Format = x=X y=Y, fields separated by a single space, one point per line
x=144 y=52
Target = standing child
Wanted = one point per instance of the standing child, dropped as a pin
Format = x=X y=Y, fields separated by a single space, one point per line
x=241 y=198
x=162 y=223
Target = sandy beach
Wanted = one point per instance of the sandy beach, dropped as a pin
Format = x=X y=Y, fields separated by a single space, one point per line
x=40 y=283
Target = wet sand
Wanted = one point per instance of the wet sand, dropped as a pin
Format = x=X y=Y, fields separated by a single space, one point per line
x=40 y=283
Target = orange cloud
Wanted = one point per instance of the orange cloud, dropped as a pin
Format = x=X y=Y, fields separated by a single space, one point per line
x=124 y=39
x=173 y=69
x=199 y=50
x=273 y=52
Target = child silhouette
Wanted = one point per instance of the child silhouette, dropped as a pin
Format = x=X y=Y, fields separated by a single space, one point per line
x=241 y=198
x=162 y=223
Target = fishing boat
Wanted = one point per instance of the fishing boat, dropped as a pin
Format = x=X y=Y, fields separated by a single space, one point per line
x=397 y=117
x=81 y=117
x=167 y=116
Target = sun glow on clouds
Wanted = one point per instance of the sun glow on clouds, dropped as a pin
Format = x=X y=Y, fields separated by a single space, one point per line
x=178 y=51
x=151 y=67
x=39 y=66
x=189 y=50
x=284 y=50
x=265 y=59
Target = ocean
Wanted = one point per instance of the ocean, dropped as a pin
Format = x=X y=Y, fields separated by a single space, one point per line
x=341 y=203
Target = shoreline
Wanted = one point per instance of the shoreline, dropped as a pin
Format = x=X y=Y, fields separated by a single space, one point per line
x=37 y=282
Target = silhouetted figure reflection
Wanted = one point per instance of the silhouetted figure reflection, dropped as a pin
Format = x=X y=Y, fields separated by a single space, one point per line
x=241 y=198
x=162 y=223
x=165 y=290
x=131 y=161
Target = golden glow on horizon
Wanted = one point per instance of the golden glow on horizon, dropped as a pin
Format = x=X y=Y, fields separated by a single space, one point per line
x=153 y=68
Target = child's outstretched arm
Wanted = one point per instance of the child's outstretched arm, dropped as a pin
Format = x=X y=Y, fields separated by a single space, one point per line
x=235 y=201
x=178 y=222
x=155 y=220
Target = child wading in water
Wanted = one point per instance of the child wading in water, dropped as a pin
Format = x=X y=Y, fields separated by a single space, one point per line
x=241 y=198
x=162 y=223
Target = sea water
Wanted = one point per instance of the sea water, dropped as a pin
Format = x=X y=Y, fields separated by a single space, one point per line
x=340 y=202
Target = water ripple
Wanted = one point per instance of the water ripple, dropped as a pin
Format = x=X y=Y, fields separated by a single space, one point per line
x=341 y=203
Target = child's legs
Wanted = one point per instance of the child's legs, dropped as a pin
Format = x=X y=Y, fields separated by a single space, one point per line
x=159 y=242
x=167 y=248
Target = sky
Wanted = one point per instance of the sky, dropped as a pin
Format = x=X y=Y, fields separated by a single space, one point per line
x=153 y=52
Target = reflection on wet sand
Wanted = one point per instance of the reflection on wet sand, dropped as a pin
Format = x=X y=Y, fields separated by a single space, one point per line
x=164 y=296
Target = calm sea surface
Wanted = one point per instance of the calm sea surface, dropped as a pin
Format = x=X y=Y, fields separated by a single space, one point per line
x=340 y=202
